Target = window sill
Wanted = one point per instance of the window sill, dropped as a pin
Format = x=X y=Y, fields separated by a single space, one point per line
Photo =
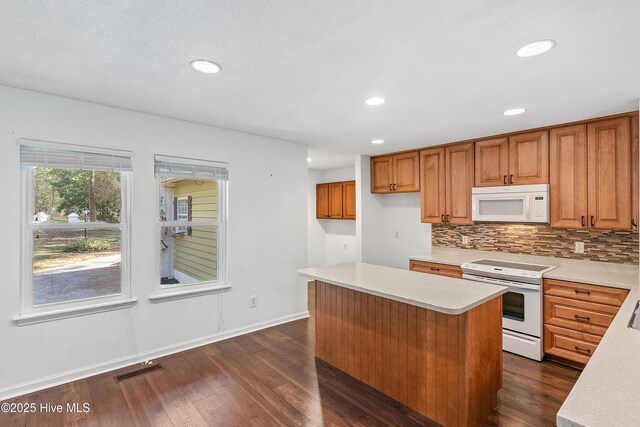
x=176 y=295
x=49 y=316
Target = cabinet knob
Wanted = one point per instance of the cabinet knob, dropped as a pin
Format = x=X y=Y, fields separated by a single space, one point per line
x=510 y=179
x=390 y=187
x=442 y=217
x=582 y=220
x=593 y=222
x=504 y=179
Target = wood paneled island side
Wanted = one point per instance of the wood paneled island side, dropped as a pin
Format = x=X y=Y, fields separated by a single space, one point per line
x=432 y=343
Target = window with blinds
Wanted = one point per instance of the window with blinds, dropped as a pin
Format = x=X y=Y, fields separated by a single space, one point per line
x=76 y=225
x=191 y=221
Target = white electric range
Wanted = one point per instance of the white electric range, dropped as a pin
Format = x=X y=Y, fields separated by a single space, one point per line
x=521 y=305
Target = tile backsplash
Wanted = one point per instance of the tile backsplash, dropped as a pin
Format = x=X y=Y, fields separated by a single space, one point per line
x=600 y=245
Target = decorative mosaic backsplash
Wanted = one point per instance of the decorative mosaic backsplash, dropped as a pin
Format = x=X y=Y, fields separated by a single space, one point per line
x=600 y=245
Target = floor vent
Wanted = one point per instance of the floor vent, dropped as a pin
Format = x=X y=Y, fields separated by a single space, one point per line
x=137 y=373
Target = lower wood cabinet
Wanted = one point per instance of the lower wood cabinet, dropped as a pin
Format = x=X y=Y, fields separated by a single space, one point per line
x=576 y=316
x=435 y=268
x=336 y=200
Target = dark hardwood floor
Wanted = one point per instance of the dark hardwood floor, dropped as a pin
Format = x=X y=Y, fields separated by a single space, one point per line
x=271 y=377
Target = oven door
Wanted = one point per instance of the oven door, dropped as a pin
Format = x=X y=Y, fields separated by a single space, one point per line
x=522 y=310
x=521 y=305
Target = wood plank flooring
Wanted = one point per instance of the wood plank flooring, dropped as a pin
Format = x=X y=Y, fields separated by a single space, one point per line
x=272 y=378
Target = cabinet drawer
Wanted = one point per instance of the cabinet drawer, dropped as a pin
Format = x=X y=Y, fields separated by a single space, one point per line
x=578 y=315
x=568 y=344
x=433 y=268
x=582 y=292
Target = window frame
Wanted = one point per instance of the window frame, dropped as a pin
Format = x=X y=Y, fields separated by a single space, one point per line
x=30 y=313
x=187 y=290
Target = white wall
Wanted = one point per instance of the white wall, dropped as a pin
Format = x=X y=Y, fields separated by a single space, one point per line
x=331 y=241
x=266 y=242
x=403 y=235
x=381 y=216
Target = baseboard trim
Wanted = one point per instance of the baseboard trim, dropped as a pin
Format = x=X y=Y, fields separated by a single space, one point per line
x=78 y=374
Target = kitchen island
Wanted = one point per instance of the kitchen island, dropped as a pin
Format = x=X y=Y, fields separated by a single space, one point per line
x=432 y=343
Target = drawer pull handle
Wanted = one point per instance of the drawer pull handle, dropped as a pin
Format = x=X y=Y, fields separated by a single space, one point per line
x=583 y=350
x=582 y=220
x=580 y=291
x=504 y=179
x=435 y=269
x=582 y=318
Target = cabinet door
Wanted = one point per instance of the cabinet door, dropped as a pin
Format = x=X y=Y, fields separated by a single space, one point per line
x=335 y=200
x=349 y=200
x=432 y=193
x=459 y=165
x=609 y=170
x=381 y=174
x=529 y=158
x=634 y=171
x=322 y=201
x=406 y=172
x=568 y=176
x=492 y=162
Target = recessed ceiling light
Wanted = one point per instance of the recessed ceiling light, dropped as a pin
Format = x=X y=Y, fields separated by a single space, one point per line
x=535 y=48
x=308 y=159
x=377 y=141
x=205 y=66
x=375 y=101
x=514 y=111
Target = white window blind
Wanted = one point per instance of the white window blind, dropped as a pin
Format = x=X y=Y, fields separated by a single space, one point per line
x=52 y=157
x=193 y=169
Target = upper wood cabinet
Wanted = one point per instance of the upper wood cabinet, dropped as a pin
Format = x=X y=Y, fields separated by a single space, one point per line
x=399 y=173
x=529 y=158
x=515 y=160
x=492 y=162
x=322 y=201
x=447 y=180
x=459 y=168
x=432 y=194
x=349 y=200
x=590 y=175
x=568 y=176
x=336 y=200
x=609 y=173
x=634 y=172
x=382 y=174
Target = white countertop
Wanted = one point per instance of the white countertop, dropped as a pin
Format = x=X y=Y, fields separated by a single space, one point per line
x=623 y=276
x=608 y=390
x=442 y=294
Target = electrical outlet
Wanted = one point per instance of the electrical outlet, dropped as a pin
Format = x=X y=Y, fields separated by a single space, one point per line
x=397 y=235
x=465 y=240
x=253 y=301
x=579 y=247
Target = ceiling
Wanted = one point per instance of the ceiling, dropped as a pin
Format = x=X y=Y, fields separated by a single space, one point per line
x=299 y=70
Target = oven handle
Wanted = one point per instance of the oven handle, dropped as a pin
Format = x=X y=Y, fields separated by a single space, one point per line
x=501 y=282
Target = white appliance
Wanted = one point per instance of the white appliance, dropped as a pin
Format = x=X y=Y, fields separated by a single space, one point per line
x=521 y=305
x=514 y=203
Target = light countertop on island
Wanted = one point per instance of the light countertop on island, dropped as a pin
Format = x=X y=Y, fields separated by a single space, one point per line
x=437 y=293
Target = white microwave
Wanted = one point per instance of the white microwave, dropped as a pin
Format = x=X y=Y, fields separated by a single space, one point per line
x=514 y=203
